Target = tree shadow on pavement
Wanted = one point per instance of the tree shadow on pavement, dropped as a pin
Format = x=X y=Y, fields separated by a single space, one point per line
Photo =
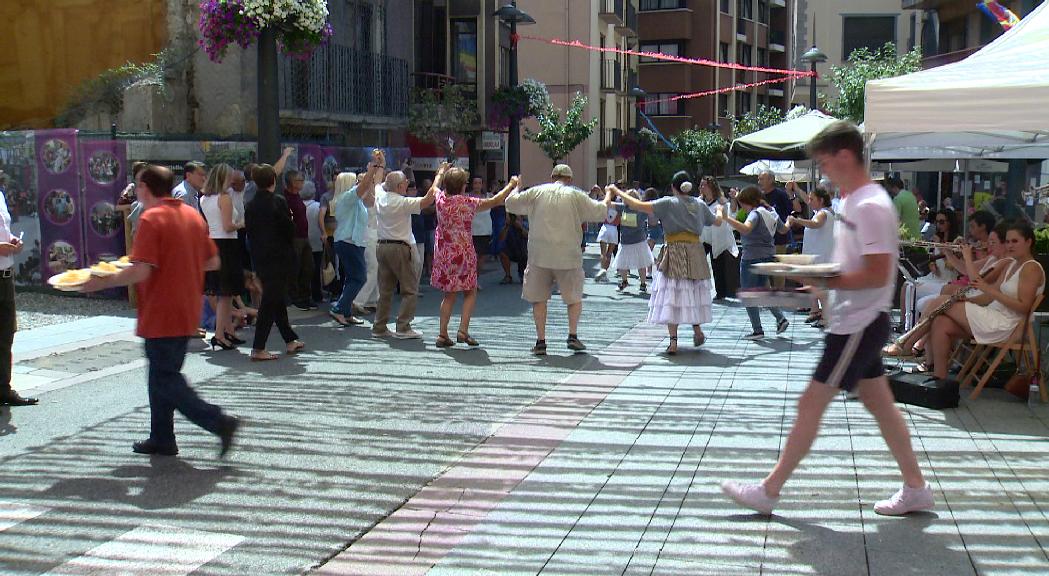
x=169 y=482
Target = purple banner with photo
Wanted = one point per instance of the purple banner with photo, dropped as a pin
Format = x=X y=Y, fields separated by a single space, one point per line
x=310 y=159
x=104 y=167
x=59 y=201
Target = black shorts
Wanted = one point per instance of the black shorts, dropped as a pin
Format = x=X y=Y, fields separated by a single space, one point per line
x=849 y=358
x=482 y=244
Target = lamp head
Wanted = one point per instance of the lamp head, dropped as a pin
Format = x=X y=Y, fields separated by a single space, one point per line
x=813 y=56
x=511 y=13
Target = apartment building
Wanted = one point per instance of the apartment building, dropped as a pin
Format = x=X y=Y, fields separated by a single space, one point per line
x=950 y=30
x=838 y=27
x=605 y=78
x=749 y=32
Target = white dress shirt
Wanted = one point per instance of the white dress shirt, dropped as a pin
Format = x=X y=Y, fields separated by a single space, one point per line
x=5 y=232
x=395 y=215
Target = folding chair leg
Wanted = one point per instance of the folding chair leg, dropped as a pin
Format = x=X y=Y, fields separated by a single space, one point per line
x=987 y=375
x=979 y=359
x=970 y=363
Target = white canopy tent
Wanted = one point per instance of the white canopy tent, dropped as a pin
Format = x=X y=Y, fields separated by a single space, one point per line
x=993 y=104
x=784 y=170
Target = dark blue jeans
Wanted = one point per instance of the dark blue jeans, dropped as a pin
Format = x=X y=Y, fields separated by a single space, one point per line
x=351 y=256
x=169 y=391
x=748 y=279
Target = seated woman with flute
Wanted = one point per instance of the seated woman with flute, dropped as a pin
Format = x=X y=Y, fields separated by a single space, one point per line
x=992 y=316
x=990 y=268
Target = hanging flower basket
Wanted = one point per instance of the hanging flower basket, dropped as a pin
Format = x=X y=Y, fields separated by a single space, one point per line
x=301 y=25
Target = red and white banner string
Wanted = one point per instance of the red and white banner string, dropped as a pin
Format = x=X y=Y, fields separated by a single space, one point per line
x=670 y=58
x=718 y=91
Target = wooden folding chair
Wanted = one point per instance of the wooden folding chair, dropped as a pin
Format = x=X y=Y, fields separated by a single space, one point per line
x=1014 y=343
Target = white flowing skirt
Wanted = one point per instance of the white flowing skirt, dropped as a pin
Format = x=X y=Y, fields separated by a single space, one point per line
x=679 y=301
x=609 y=234
x=633 y=256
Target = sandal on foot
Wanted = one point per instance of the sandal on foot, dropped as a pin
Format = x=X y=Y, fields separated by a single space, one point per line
x=507 y=280
x=295 y=347
x=895 y=350
x=673 y=344
x=464 y=338
x=444 y=342
x=698 y=339
x=263 y=356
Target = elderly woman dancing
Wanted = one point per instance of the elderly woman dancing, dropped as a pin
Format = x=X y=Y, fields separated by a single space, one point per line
x=681 y=280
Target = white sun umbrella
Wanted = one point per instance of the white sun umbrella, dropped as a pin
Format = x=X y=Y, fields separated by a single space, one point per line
x=784 y=170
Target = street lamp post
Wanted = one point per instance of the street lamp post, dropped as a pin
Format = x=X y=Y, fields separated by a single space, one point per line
x=639 y=100
x=513 y=16
x=813 y=56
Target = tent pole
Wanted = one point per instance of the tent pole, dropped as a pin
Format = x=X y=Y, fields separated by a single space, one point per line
x=966 y=186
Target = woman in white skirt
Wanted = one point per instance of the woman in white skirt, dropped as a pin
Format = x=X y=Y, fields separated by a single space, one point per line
x=634 y=253
x=681 y=280
x=608 y=237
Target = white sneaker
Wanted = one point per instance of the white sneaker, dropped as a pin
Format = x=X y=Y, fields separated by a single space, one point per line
x=601 y=275
x=408 y=335
x=905 y=501
x=751 y=496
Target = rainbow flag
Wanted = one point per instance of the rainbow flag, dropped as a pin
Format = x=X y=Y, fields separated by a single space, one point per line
x=999 y=13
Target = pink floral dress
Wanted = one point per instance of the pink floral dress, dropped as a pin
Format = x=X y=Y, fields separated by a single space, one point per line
x=454 y=258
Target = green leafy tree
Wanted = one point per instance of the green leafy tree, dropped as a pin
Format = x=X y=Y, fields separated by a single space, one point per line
x=702 y=149
x=557 y=137
x=443 y=116
x=864 y=65
x=763 y=117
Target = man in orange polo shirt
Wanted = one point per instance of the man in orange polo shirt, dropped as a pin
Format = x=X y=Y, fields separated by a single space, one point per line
x=172 y=251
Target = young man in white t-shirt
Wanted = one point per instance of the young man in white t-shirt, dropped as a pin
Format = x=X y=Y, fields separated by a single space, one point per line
x=866 y=245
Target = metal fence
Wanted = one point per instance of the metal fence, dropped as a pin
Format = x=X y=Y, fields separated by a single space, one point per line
x=339 y=80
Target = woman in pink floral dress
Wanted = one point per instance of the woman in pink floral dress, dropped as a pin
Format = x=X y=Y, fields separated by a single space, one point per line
x=454 y=258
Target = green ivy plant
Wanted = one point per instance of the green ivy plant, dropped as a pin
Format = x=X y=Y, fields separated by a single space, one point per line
x=864 y=65
x=442 y=116
x=557 y=137
x=105 y=92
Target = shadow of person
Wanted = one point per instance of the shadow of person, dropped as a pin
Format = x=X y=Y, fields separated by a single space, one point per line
x=898 y=546
x=469 y=356
x=168 y=483
x=6 y=426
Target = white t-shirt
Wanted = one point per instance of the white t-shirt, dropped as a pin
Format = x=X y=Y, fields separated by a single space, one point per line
x=819 y=242
x=867 y=224
x=394 y=215
x=5 y=232
x=482 y=223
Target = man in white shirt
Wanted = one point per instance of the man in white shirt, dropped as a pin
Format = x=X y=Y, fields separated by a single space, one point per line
x=194 y=174
x=866 y=245
x=556 y=213
x=9 y=246
x=394 y=252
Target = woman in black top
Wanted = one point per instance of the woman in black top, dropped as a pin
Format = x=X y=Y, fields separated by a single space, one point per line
x=270 y=233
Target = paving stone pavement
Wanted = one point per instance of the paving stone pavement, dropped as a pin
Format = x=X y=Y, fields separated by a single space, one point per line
x=385 y=457
x=632 y=486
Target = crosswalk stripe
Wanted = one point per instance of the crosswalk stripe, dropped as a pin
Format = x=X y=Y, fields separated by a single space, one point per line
x=151 y=549
x=12 y=514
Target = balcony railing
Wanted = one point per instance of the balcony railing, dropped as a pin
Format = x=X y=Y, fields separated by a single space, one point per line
x=647 y=5
x=741 y=27
x=611 y=75
x=610 y=138
x=777 y=40
x=613 y=12
x=340 y=81
x=630 y=26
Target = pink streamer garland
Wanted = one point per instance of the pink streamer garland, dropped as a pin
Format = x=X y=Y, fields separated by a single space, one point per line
x=718 y=91
x=669 y=58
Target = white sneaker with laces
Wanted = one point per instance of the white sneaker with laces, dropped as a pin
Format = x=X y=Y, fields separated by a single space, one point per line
x=601 y=275
x=905 y=501
x=408 y=335
x=751 y=496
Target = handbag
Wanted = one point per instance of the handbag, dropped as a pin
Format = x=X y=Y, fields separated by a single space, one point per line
x=328 y=271
x=1019 y=384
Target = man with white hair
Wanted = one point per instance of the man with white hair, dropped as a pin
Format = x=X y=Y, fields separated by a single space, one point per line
x=395 y=250
x=556 y=213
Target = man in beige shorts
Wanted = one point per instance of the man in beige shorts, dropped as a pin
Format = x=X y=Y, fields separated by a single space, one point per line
x=556 y=213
